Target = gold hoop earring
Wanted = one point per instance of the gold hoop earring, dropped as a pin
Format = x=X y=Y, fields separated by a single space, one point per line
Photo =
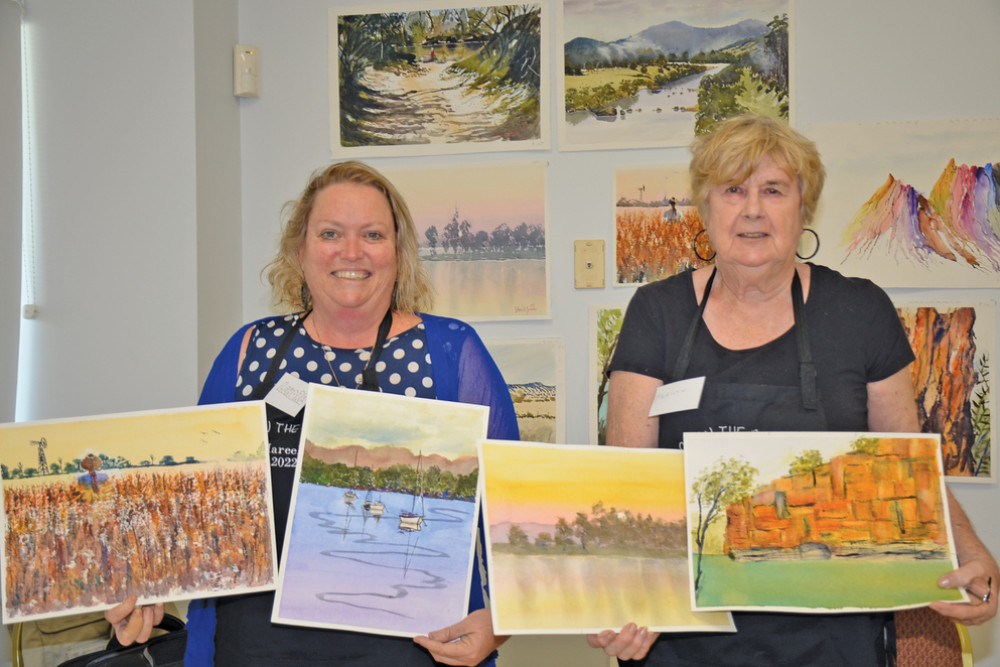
x=694 y=247
x=815 y=250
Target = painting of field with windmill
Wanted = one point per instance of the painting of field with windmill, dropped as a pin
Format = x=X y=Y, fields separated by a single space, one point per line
x=817 y=522
x=383 y=518
x=418 y=79
x=168 y=505
x=581 y=539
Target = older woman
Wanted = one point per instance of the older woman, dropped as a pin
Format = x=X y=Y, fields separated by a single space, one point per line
x=348 y=271
x=783 y=345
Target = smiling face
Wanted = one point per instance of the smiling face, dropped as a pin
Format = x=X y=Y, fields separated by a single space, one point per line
x=348 y=257
x=757 y=222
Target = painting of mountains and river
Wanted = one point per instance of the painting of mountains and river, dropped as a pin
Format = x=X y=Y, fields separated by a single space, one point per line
x=382 y=524
x=645 y=74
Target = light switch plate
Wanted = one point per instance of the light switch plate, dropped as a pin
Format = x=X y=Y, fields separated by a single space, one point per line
x=589 y=263
x=246 y=71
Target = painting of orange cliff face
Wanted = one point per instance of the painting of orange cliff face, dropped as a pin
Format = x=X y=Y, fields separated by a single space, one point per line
x=167 y=505
x=953 y=344
x=817 y=522
x=582 y=538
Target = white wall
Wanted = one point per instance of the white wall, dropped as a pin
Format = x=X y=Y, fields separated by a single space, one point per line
x=134 y=137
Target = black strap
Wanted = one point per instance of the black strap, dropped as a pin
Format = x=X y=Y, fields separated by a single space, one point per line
x=807 y=369
x=272 y=371
x=370 y=376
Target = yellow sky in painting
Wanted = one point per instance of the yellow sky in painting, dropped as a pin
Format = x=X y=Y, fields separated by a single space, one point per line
x=539 y=483
x=660 y=181
x=207 y=433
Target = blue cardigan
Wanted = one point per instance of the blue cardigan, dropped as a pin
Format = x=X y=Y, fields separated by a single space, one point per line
x=464 y=372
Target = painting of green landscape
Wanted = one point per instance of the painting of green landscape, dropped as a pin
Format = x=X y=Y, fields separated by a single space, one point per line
x=641 y=73
x=817 y=522
x=582 y=539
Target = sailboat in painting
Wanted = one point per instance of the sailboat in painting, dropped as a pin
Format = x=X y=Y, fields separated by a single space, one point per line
x=410 y=522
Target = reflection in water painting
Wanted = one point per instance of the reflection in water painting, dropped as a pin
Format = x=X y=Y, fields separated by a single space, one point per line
x=639 y=73
x=382 y=524
x=98 y=508
x=438 y=80
x=817 y=522
x=583 y=538
x=483 y=236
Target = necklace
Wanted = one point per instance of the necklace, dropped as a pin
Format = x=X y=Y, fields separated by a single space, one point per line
x=328 y=352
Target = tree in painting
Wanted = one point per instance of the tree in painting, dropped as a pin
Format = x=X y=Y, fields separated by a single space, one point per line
x=609 y=325
x=713 y=491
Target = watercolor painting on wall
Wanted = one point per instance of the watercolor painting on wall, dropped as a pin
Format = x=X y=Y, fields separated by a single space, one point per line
x=817 y=522
x=655 y=224
x=648 y=73
x=482 y=232
x=605 y=323
x=954 y=345
x=911 y=203
x=101 y=507
x=382 y=523
x=423 y=79
x=535 y=372
x=581 y=539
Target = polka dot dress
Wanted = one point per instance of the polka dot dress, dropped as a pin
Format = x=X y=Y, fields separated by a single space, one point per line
x=404 y=366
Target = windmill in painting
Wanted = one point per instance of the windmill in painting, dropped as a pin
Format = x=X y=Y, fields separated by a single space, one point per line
x=815 y=522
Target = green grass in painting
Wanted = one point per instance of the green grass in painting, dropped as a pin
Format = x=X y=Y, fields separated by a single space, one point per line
x=822 y=584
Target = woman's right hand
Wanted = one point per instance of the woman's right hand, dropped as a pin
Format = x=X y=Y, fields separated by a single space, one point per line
x=631 y=643
x=131 y=623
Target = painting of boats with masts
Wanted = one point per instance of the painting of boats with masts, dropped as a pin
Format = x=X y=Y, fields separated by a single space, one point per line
x=383 y=518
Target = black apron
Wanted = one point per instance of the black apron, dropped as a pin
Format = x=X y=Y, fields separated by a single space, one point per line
x=244 y=634
x=767 y=638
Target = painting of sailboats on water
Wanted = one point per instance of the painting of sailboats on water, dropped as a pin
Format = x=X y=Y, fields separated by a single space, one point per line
x=384 y=510
x=817 y=522
x=581 y=539
x=419 y=79
x=647 y=73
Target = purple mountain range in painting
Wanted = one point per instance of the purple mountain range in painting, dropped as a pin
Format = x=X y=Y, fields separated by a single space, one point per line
x=959 y=221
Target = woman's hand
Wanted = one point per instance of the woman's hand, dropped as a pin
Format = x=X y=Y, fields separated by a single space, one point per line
x=980 y=579
x=131 y=623
x=631 y=643
x=468 y=642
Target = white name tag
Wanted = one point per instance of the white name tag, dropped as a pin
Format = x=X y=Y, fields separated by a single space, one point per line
x=677 y=396
x=288 y=394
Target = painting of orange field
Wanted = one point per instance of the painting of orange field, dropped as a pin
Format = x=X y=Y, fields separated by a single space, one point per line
x=582 y=539
x=168 y=505
x=655 y=224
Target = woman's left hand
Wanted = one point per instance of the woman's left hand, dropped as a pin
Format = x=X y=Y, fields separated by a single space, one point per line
x=980 y=579
x=131 y=623
x=468 y=642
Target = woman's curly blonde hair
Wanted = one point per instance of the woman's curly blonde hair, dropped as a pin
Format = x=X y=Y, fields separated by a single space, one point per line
x=730 y=153
x=413 y=291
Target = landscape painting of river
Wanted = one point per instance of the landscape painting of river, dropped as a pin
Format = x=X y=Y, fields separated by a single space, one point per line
x=817 y=522
x=415 y=79
x=384 y=510
x=482 y=236
x=581 y=539
x=646 y=73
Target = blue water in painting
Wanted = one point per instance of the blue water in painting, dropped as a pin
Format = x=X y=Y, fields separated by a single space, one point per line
x=348 y=569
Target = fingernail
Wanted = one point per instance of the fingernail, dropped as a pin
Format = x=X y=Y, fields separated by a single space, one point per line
x=945 y=582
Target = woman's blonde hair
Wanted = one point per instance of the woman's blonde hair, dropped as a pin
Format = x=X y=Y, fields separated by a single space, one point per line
x=730 y=153
x=413 y=291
